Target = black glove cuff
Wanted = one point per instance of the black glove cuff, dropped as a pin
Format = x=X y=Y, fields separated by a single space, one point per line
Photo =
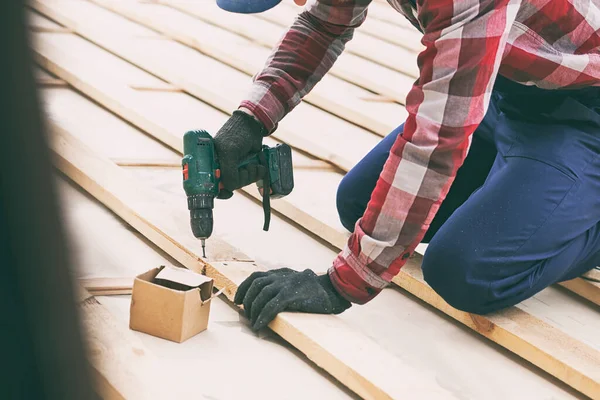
x=241 y=118
x=339 y=303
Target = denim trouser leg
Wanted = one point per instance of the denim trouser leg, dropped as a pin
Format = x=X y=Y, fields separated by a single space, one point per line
x=523 y=212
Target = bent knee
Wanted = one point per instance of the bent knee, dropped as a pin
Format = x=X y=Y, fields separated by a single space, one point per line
x=348 y=207
x=456 y=276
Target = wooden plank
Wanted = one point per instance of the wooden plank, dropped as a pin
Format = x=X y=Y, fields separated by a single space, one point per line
x=331 y=94
x=122 y=367
x=93 y=58
x=349 y=67
x=306 y=128
x=587 y=290
x=356 y=361
x=65 y=104
x=39 y=22
x=128 y=162
x=154 y=88
x=107 y=286
x=51 y=82
x=593 y=275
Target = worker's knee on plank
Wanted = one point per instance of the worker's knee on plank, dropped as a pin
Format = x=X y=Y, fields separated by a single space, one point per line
x=349 y=210
x=455 y=275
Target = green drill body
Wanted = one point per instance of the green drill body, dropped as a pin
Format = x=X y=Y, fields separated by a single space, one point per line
x=202 y=178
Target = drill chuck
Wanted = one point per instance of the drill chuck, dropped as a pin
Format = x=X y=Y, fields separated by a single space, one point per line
x=201 y=221
x=201 y=215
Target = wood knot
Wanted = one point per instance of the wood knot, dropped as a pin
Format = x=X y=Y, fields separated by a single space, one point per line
x=482 y=323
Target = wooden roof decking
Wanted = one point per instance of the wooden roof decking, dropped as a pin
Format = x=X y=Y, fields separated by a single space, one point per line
x=169 y=87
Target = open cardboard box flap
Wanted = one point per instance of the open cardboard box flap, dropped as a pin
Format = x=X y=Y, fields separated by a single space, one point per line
x=184 y=279
x=171 y=303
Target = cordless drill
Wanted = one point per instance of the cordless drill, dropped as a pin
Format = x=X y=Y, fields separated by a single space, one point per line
x=202 y=179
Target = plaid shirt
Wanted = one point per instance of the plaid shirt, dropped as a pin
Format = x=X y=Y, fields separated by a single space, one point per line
x=552 y=44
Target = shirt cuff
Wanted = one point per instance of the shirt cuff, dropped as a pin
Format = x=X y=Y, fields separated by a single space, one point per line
x=349 y=284
x=265 y=106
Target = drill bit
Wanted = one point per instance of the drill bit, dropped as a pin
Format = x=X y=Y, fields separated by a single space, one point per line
x=203 y=248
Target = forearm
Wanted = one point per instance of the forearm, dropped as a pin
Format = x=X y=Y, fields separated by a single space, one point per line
x=300 y=60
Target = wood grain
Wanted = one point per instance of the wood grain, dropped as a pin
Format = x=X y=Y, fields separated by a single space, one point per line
x=356 y=361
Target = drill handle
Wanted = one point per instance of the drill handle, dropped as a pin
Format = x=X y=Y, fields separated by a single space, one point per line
x=257 y=158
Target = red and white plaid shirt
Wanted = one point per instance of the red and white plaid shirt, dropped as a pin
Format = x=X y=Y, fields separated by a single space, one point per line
x=552 y=44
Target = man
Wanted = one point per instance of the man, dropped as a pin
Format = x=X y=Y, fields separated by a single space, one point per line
x=496 y=166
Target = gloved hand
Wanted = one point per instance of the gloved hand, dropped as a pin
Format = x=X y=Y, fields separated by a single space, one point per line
x=266 y=294
x=239 y=138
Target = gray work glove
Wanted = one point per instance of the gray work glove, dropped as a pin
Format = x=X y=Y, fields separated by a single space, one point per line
x=239 y=138
x=266 y=294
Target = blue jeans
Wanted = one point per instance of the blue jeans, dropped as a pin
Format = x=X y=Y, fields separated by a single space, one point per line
x=524 y=210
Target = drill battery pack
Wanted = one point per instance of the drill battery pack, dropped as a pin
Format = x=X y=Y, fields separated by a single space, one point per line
x=281 y=172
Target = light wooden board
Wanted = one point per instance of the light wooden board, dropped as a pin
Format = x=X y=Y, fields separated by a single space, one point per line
x=107 y=286
x=363 y=46
x=332 y=94
x=203 y=362
x=239 y=222
x=356 y=361
x=43 y=78
x=39 y=23
x=92 y=58
x=586 y=289
x=349 y=67
x=67 y=106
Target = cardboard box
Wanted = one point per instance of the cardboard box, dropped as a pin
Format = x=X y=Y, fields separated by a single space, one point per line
x=170 y=303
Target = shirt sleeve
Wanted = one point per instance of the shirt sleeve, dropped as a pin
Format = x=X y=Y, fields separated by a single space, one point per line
x=302 y=57
x=464 y=41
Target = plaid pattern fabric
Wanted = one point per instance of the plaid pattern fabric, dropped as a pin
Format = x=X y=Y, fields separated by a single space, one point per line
x=552 y=44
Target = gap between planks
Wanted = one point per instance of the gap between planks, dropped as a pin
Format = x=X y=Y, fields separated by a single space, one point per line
x=507 y=338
